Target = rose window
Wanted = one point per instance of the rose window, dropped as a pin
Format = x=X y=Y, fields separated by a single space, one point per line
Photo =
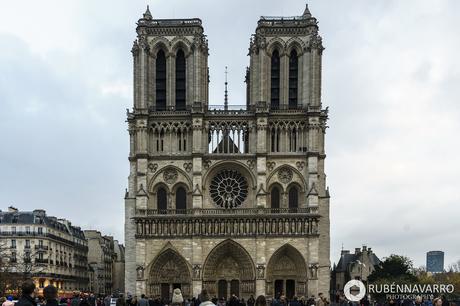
x=228 y=189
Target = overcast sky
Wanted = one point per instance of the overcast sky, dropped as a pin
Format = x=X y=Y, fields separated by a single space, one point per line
x=391 y=80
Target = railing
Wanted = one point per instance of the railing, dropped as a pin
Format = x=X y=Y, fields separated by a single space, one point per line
x=220 y=211
x=41 y=247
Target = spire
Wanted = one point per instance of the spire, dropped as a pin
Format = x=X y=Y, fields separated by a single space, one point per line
x=306 y=13
x=226 y=91
x=147 y=14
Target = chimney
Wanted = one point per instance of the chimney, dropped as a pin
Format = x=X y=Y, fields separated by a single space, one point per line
x=369 y=250
x=345 y=252
x=39 y=212
x=364 y=248
x=12 y=209
x=357 y=250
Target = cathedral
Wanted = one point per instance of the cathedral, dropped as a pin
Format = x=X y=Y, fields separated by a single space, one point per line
x=224 y=197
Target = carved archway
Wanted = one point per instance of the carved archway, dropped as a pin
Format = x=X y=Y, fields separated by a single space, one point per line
x=169 y=270
x=286 y=272
x=231 y=263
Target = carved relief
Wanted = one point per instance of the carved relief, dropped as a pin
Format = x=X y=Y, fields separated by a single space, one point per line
x=251 y=163
x=285 y=175
x=188 y=167
x=260 y=271
x=152 y=167
x=170 y=176
x=271 y=166
x=300 y=165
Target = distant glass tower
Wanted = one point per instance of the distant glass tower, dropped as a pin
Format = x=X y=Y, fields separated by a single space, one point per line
x=435 y=261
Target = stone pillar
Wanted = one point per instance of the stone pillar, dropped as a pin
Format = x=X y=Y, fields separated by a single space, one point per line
x=170 y=79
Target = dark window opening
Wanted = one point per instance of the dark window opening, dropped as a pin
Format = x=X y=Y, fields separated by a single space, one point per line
x=162 y=200
x=180 y=80
x=275 y=198
x=181 y=200
x=293 y=198
x=160 y=81
x=275 y=80
x=293 y=79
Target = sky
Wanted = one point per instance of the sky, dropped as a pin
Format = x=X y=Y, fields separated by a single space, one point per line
x=391 y=80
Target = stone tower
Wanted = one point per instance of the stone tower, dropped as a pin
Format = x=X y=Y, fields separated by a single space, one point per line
x=228 y=198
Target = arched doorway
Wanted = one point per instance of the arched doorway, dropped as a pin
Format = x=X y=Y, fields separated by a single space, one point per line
x=286 y=273
x=169 y=271
x=228 y=270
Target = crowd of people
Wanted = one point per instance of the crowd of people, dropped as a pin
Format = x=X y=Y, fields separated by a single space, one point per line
x=50 y=298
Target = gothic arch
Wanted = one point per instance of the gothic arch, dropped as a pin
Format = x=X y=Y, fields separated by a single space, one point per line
x=231 y=164
x=160 y=43
x=229 y=261
x=169 y=267
x=180 y=42
x=295 y=43
x=302 y=183
x=276 y=44
x=286 y=264
x=181 y=177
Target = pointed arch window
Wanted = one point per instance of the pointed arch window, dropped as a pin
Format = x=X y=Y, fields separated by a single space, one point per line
x=180 y=80
x=275 y=198
x=181 y=200
x=162 y=200
x=293 y=198
x=275 y=80
x=293 y=79
x=160 y=81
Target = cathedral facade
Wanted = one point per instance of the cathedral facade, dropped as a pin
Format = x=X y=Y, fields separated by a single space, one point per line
x=228 y=198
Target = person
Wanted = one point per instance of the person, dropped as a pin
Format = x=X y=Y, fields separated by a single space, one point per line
x=143 y=301
x=311 y=301
x=234 y=301
x=28 y=294
x=322 y=301
x=76 y=300
x=445 y=301
x=204 y=298
x=106 y=300
x=9 y=301
x=121 y=301
x=437 y=302
x=133 y=301
x=177 y=298
x=294 y=302
x=251 y=301
x=84 y=300
x=92 y=300
x=50 y=294
x=260 y=301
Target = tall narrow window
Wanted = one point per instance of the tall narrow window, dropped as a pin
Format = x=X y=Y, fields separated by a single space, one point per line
x=181 y=200
x=275 y=198
x=293 y=79
x=162 y=200
x=160 y=81
x=275 y=80
x=180 y=80
x=293 y=198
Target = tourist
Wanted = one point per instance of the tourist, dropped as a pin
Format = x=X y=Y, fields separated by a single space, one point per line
x=311 y=301
x=143 y=301
x=437 y=302
x=121 y=301
x=260 y=301
x=28 y=294
x=177 y=298
x=75 y=300
x=322 y=301
x=133 y=301
x=242 y=302
x=204 y=298
x=294 y=302
x=8 y=301
x=221 y=302
x=251 y=300
x=50 y=294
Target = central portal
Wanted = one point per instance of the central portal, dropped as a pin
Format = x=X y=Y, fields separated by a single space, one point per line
x=229 y=270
